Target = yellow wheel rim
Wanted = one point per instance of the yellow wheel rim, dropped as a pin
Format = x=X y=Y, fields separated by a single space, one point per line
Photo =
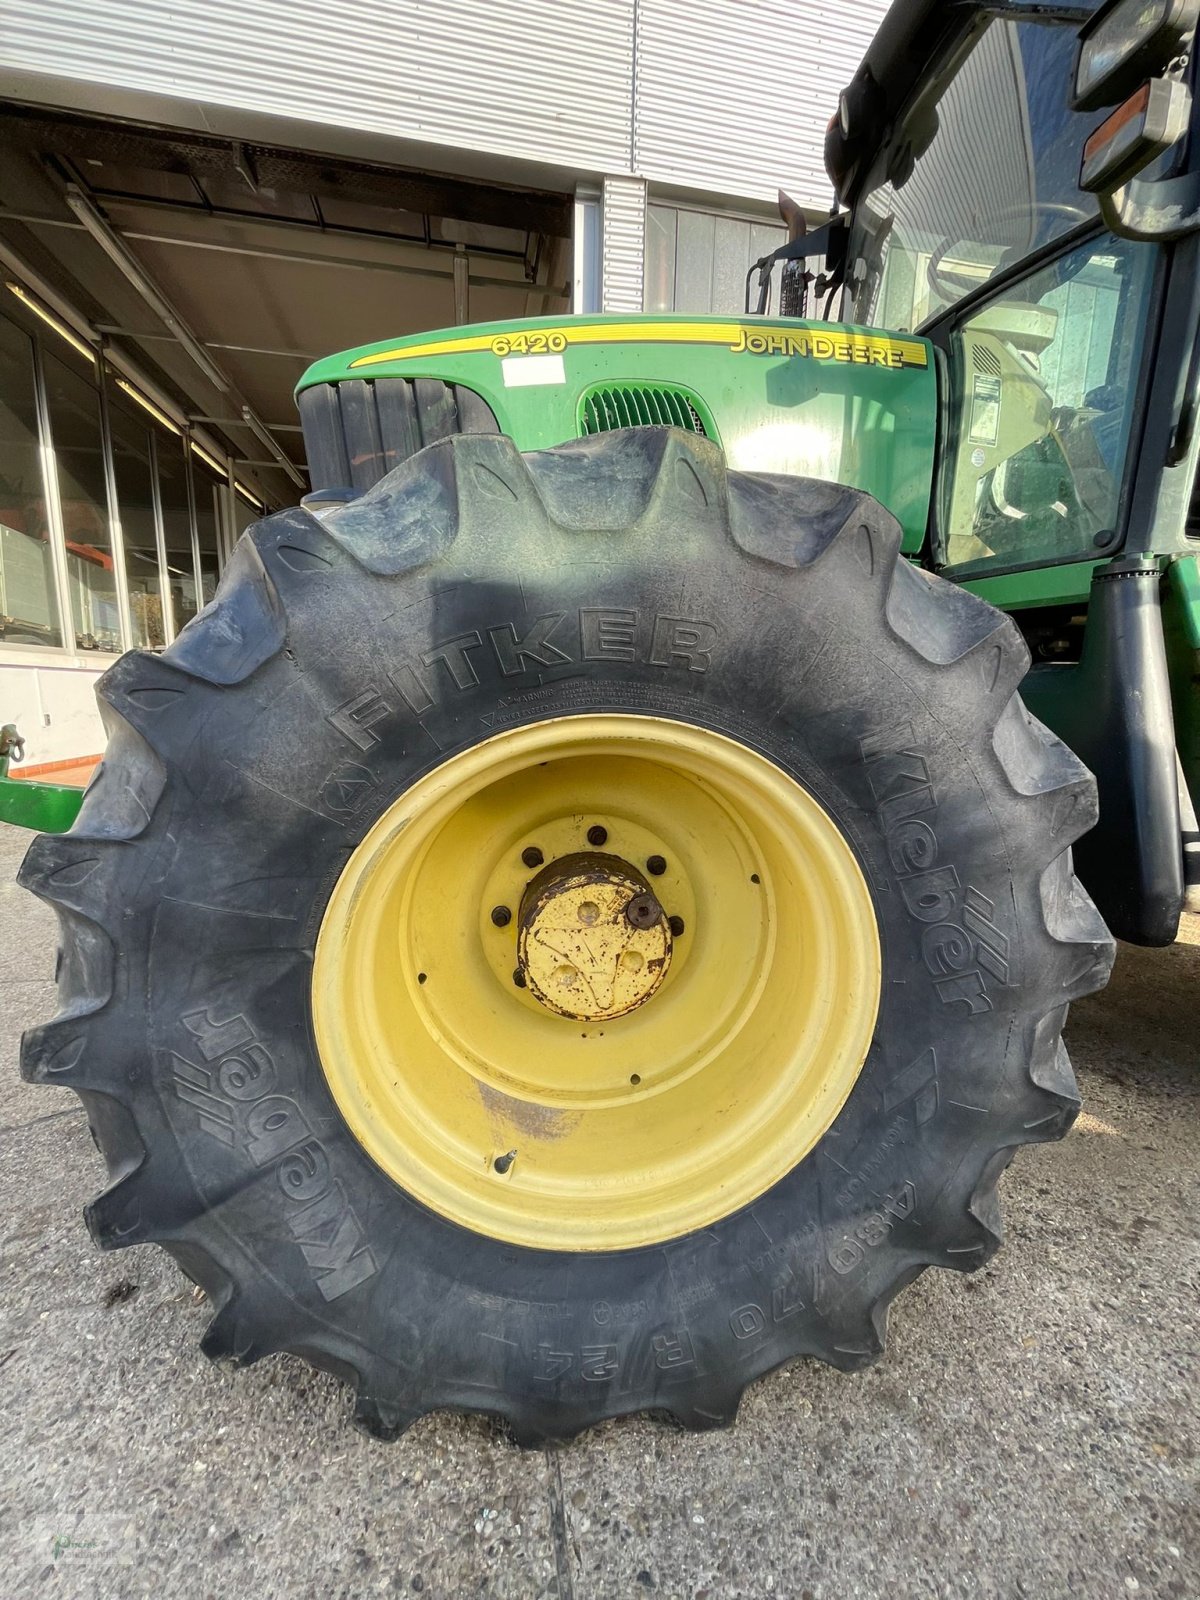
x=596 y=982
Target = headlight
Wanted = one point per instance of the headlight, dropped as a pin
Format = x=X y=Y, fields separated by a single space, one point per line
x=1126 y=42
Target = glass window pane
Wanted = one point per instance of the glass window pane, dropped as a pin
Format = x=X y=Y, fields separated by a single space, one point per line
x=177 y=528
x=78 y=452
x=731 y=261
x=135 y=497
x=1045 y=385
x=697 y=260
x=207 y=523
x=694 y=262
x=998 y=179
x=659 y=282
x=28 y=605
x=764 y=237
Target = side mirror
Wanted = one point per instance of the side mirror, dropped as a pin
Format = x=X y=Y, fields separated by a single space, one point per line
x=1149 y=123
x=1131 y=52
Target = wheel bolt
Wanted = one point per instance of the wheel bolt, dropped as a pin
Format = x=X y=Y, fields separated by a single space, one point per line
x=676 y=925
x=597 y=835
x=501 y=916
x=656 y=866
x=532 y=856
x=643 y=911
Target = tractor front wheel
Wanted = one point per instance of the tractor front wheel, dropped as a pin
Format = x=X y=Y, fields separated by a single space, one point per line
x=568 y=933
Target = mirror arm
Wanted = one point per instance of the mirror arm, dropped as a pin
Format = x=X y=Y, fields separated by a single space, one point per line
x=1153 y=211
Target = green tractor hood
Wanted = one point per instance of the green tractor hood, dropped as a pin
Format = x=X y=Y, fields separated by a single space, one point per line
x=822 y=400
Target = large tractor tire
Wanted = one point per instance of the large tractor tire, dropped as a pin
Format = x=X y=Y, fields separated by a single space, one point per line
x=569 y=933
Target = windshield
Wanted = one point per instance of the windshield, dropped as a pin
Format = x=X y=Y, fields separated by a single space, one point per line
x=997 y=181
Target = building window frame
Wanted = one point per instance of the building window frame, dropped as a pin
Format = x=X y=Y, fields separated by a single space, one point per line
x=115 y=532
x=52 y=498
x=587 y=244
x=25 y=315
x=660 y=199
x=165 y=598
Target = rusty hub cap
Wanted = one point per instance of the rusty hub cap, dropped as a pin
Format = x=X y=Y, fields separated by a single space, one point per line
x=593 y=942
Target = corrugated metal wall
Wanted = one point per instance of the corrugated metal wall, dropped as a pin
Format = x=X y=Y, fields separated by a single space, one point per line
x=549 y=80
x=624 y=234
x=734 y=95
x=731 y=95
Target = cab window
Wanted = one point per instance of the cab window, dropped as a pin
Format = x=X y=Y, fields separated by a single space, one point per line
x=996 y=153
x=1043 y=383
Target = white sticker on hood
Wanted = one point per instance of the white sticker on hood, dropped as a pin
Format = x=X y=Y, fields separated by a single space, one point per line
x=522 y=372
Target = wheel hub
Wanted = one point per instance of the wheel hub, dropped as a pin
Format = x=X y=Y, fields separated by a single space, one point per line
x=594 y=943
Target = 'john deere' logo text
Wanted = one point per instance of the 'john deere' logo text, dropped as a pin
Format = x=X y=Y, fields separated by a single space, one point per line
x=855 y=349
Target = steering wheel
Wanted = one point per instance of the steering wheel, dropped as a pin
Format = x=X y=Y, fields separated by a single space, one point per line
x=1073 y=214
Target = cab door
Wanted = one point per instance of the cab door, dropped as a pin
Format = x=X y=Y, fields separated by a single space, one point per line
x=1043 y=386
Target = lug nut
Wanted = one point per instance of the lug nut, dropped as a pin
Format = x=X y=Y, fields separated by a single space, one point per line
x=676 y=925
x=501 y=916
x=656 y=866
x=643 y=911
x=597 y=835
x=532 y=856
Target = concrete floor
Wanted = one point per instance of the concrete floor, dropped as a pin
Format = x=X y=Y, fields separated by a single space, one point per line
x=1032 y=1431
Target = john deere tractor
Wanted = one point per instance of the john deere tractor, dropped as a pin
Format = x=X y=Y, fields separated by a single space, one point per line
x=587 y=914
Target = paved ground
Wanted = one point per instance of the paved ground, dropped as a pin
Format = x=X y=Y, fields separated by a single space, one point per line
x=1033 y=1431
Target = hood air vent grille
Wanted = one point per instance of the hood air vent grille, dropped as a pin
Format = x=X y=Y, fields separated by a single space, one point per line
x=641 y=405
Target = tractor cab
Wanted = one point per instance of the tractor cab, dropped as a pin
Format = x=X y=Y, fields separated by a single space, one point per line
x=1021 y=187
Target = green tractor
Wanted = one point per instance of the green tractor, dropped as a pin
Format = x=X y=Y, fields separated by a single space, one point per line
x=587 y=914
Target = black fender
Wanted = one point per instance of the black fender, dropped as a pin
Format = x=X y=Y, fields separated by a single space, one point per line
x=1113 y=708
